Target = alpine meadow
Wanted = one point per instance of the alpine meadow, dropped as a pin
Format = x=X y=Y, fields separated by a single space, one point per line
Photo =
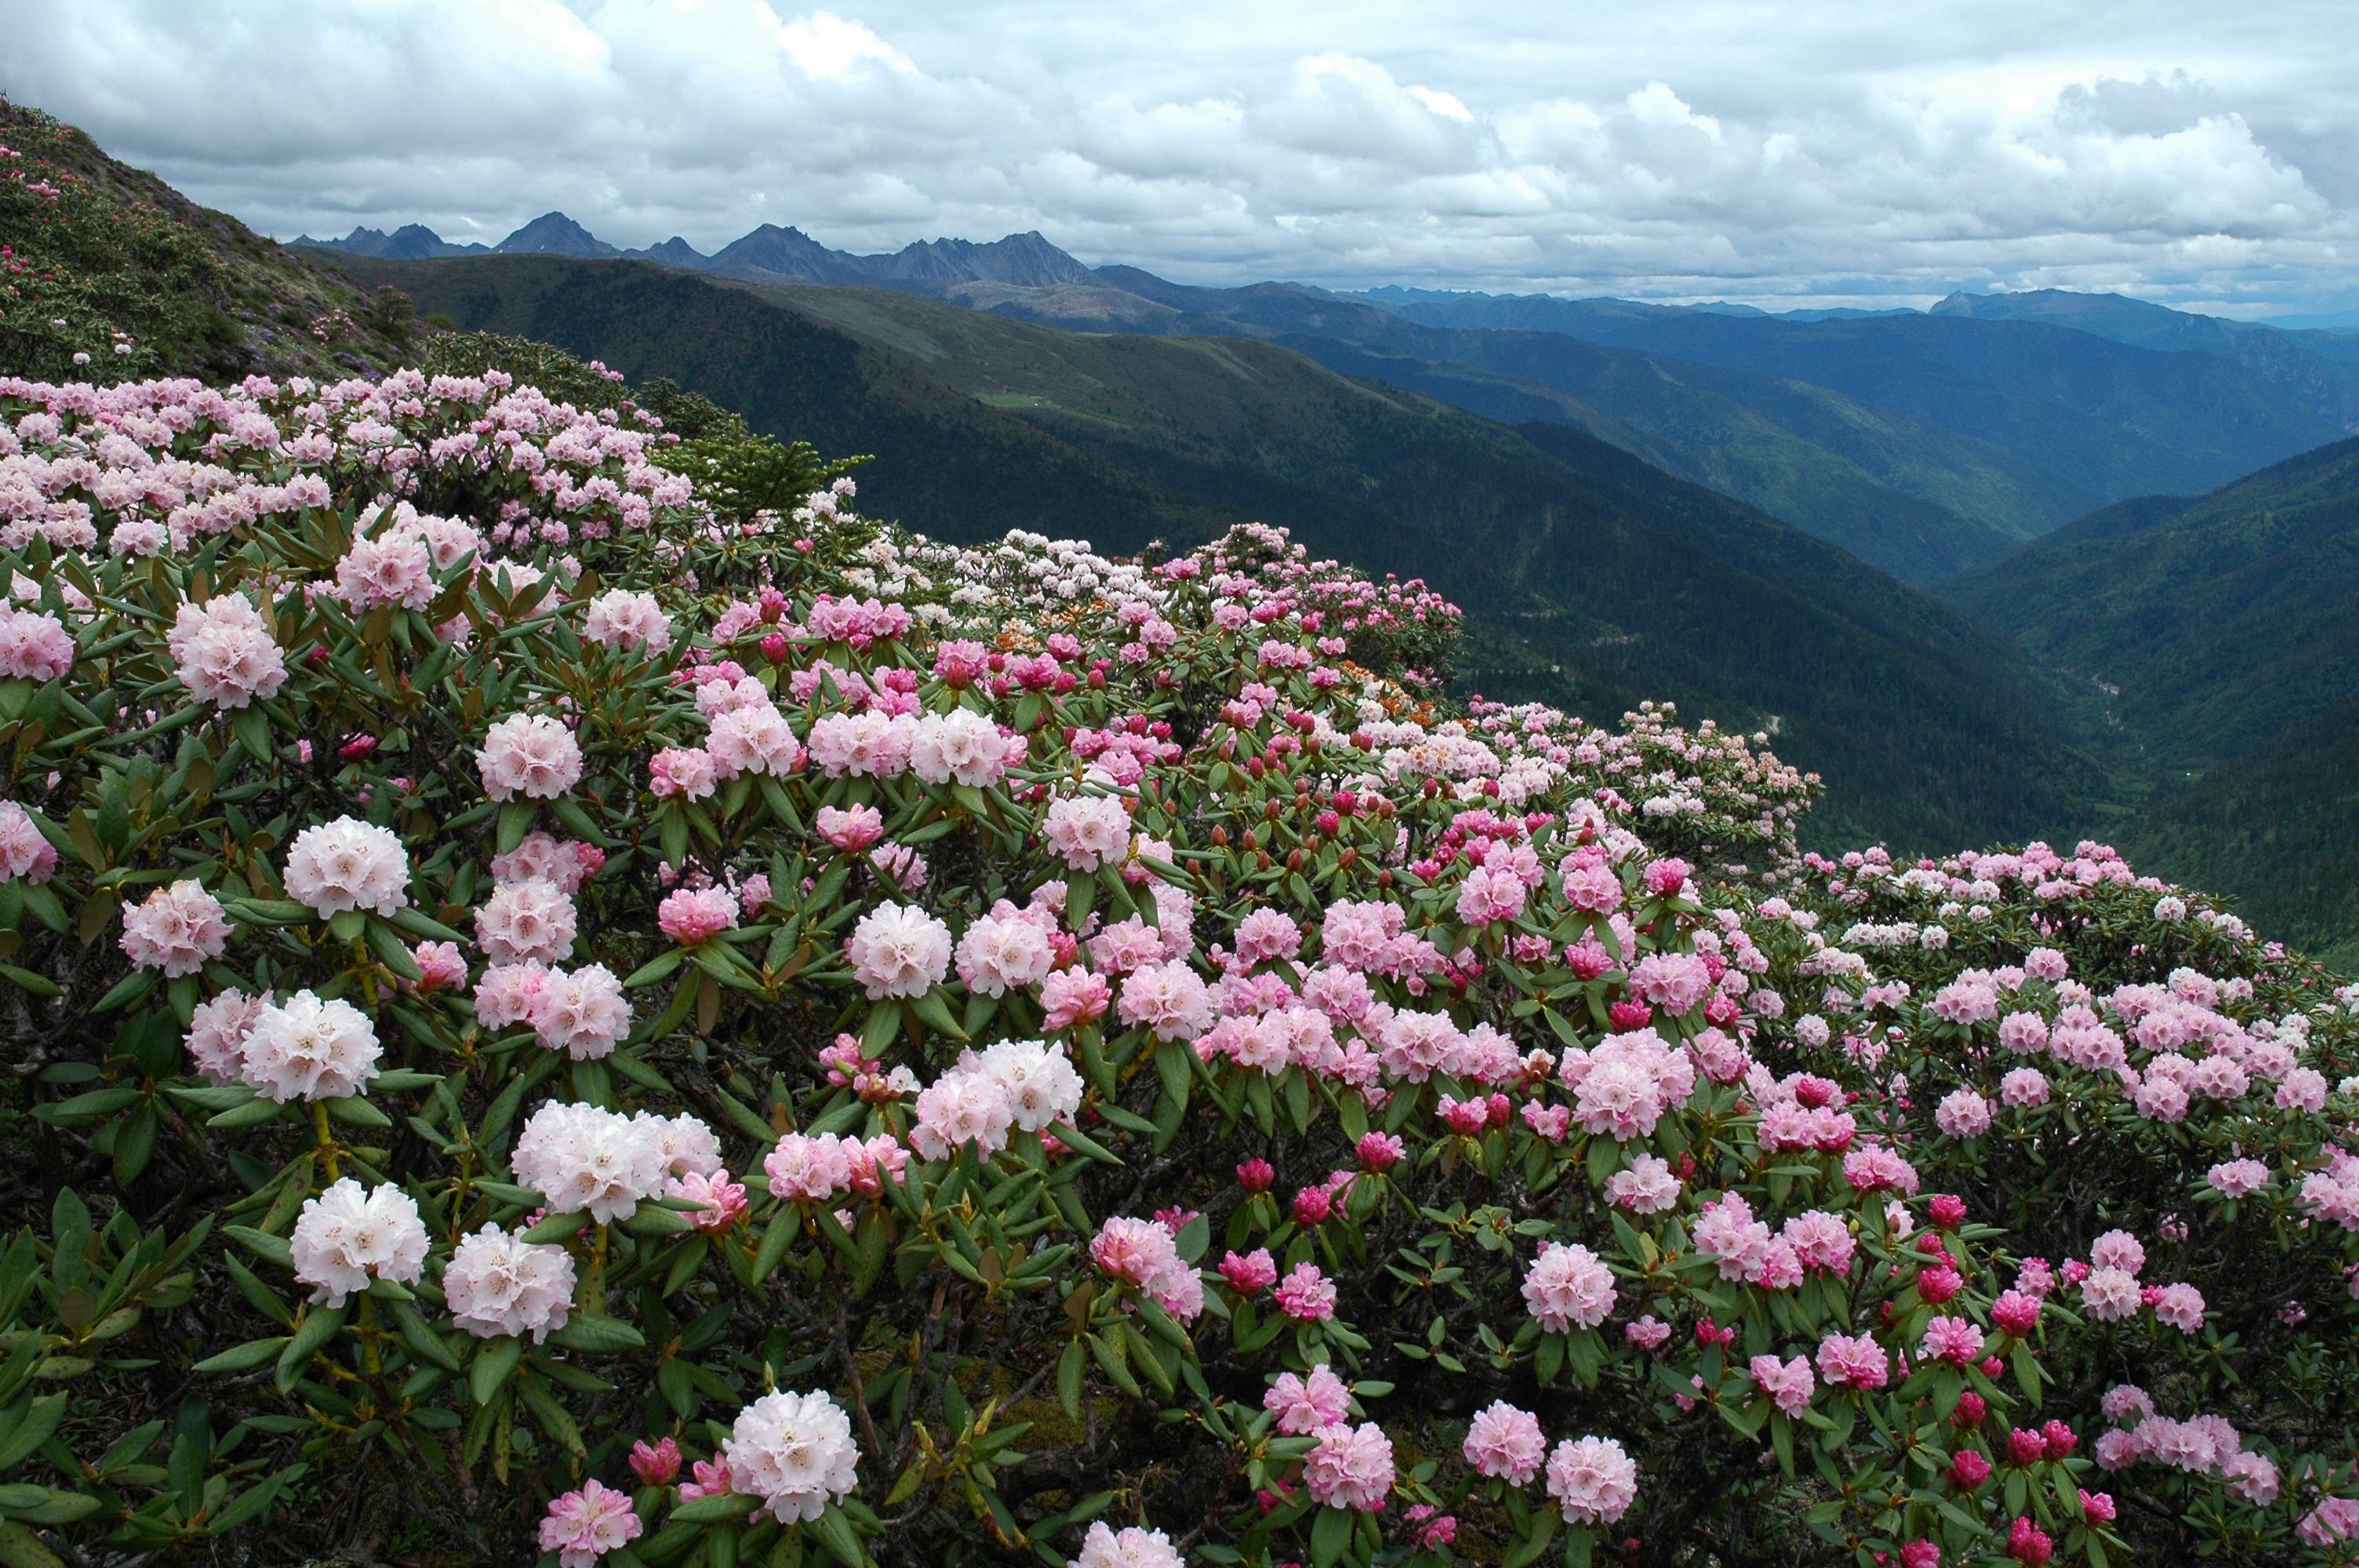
x=1659 y=875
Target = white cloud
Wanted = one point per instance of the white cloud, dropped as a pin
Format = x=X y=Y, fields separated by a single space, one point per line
x=1683 y=150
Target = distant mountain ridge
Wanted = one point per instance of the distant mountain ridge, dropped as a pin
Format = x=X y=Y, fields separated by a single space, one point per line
x=766 y=254
x=1926 y=445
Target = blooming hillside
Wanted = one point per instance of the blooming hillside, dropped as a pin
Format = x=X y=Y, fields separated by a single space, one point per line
x=552 y=1002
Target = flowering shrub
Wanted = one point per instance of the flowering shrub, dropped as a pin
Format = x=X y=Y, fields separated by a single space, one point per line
x=668 y=1031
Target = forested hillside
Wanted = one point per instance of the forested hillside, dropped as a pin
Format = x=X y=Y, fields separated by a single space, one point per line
x=2220 y=620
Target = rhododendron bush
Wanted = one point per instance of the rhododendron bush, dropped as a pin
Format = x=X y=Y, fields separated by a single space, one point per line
x=550 y=1013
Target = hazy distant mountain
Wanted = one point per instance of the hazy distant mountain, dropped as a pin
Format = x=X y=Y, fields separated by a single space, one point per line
x=2332 y=321
x=1926 y=445
x=767 y=254
x=675 y=252
x=2320 y=370
x=554 y=234
x=411 y=242
x=2111 y=417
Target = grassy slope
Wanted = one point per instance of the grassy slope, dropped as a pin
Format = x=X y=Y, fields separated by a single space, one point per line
x=2224 y=621
x=1602 y=581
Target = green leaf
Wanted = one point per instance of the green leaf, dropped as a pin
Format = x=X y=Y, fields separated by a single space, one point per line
x=423 y=1341
x=557 y=1227
x=495 y=1363
x=271 y=1248
x=1530 y=1548
x=515 y=821
x=39 y=1419
x=1082 y=1144
x=24 y=980
x=318 y=1326
x=390 y=951
x=20 y=1548
x=715 y=1511
x=596 y=1332
x=253 y=1113
x=775 y=1240
x=834 y=1529
x=243 y=1358
x=1329 y=1534
x=934 y=1009
x=654 y=969
x=1071 y=1367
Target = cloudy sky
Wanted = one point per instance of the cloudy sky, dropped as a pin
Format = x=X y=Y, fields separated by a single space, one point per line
x=1837 y=150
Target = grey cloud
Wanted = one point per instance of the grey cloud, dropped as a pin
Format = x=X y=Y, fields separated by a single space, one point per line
x=1681 y=149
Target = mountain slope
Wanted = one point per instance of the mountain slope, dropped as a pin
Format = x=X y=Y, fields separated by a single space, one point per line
x=1828 y=465
x=950 y=466
x=1599 y=579
x=2109 y=417
x=1921 y=442
x=2320 y=370
x=109 y=263
x=1903 y=495
x=2277 y=830
x=2225 y=620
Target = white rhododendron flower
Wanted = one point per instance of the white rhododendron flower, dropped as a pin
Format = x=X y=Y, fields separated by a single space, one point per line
x=348 y=864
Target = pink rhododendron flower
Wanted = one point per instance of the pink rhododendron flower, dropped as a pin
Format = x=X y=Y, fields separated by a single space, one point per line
x=1351 y=1467
x=1592 y=1481
x=306 y=1048
x=177 y=929
x=25 y=855
x=1306 y=1295
x=497 y=1283
x=1504 y=1443
x=1307 y=1404
x=793 y=1451
x=528 y=754
x=350 y=1233
x=1568 y=1286
x=899 y=950
x=690 y=915
x=583 y=1526
x=1788 y=1383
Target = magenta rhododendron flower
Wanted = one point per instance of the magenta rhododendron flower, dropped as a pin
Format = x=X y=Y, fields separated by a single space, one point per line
x=656 y=1463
